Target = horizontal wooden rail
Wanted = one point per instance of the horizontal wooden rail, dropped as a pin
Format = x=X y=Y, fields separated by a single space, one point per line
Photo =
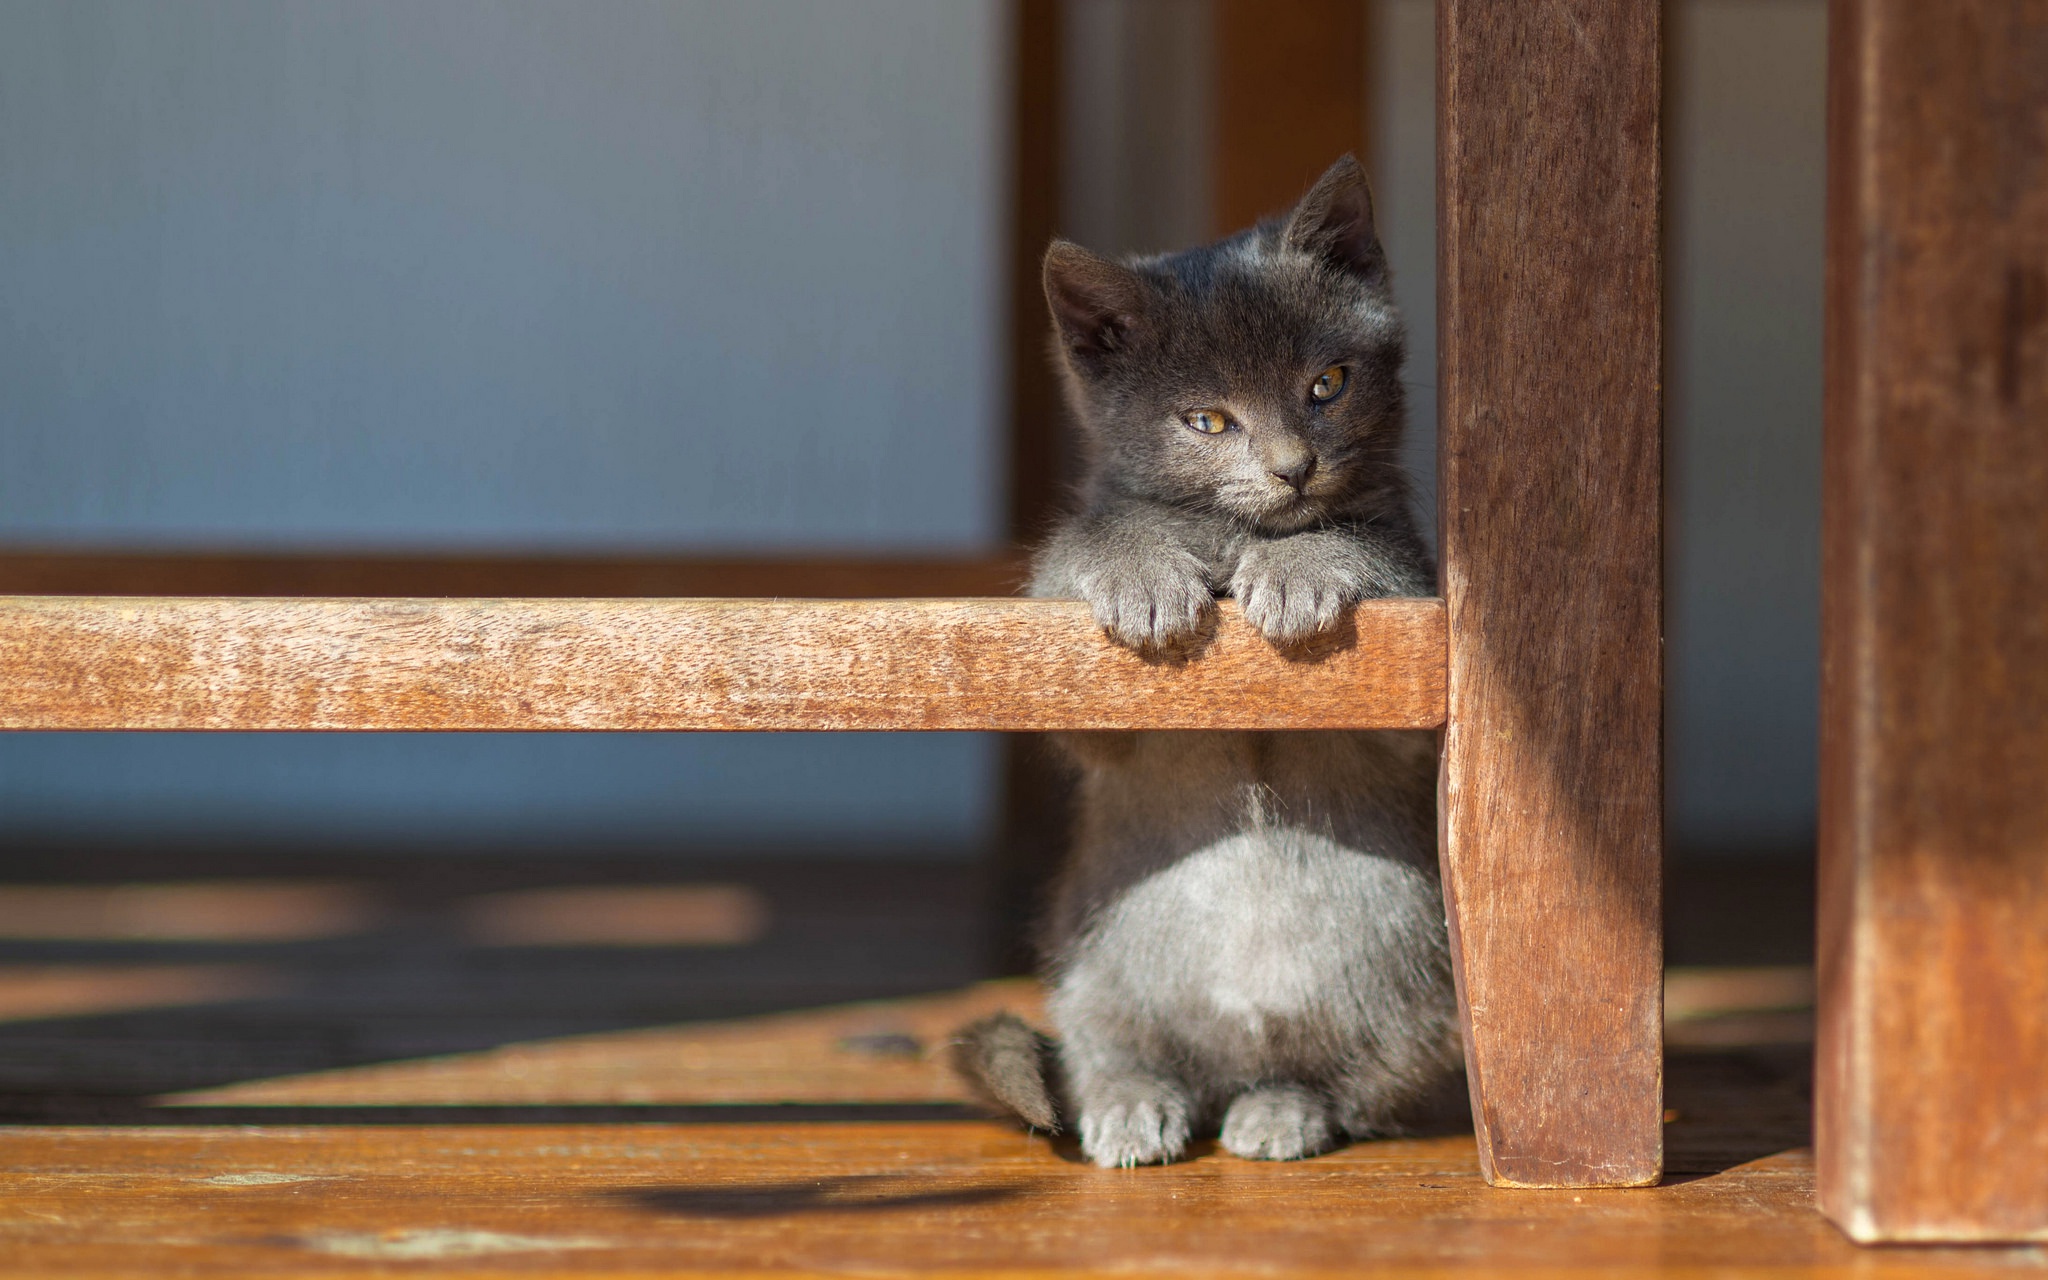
x=153 y=662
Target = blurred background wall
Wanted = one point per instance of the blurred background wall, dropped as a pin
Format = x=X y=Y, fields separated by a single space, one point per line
x=676 y=277
x=605 y=276
x=1747 y=155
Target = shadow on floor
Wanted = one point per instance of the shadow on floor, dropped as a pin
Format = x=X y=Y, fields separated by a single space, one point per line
x=409 y=985
x=858 y=1193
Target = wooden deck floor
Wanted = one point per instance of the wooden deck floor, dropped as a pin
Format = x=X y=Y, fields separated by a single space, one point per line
x=383 y=1081
x=854 y=1197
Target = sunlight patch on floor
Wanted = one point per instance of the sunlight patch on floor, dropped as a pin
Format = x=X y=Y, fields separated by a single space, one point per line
x=34 y=991
x=192 y=911
x=708 y=915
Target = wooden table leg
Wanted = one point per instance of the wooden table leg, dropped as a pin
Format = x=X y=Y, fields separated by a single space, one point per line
x=1932 y=1091
x=1550 y=439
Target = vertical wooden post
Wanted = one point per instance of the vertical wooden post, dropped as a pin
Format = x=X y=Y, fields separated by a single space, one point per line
x=1932 y=1089
x=1034 y=793
x=1551 y=492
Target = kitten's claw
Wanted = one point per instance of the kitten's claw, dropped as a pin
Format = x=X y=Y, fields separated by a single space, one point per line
x=1138 y=1127
x=1295 y=588
x=1285 y=1122
x=1149 y=603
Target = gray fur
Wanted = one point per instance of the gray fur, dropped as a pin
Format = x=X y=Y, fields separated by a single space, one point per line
x=1250 y=933
x=1011 y=1066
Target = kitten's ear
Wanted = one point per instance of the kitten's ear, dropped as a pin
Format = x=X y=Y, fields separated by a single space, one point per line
x=1334 y=222
x=1097 y=304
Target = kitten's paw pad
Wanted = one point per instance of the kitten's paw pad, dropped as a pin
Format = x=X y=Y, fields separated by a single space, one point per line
x=1277 y=1124
x=1291 y=596
x=1135 y=1131
x=1152 y=604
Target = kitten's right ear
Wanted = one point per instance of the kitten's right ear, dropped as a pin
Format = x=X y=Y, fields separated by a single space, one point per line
x=1096 y=304
x=1334 y=222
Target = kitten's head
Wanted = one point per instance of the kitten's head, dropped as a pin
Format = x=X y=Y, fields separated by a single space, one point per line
x=1258 y=377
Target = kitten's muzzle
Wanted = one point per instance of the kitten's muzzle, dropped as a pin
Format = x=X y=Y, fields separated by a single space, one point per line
x=1296 y=473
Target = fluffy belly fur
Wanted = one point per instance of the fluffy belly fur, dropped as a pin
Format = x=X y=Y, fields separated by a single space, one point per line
x=1273 y=958
x=1275 y=952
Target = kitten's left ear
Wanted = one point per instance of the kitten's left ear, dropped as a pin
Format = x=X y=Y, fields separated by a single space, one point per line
x=1334 y=222
x=1097 y=304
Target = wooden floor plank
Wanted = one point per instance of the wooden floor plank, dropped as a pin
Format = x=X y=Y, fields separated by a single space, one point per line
x=952 y=1198
x=444 y=1115
x=94 y=662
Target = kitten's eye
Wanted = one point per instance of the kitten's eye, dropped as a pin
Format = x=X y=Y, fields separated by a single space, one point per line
x=1208 y=422
x=1329 y=384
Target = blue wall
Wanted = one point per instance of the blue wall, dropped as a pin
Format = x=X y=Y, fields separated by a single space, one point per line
x=481 y=273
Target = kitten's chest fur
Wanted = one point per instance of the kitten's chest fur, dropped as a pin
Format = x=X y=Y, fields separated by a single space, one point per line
x=1151 y=800
x=1242 y=895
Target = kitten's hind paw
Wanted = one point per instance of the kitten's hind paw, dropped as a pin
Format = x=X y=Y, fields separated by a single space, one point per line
x=1148 y=1126
x=1283 y=1122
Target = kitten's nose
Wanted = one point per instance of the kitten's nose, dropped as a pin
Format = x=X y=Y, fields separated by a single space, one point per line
x=1295 y=473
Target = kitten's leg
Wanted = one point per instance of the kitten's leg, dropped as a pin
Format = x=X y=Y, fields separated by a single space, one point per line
x=1369 y=1101
x=1381 y=1084
x=1278 y=1122
x=1130 y=1109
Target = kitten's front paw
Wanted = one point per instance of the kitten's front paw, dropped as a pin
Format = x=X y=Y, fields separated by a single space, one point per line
x=1295 y=588
x=1149 y=602
x=1136 y=1124
x=1285 y=1122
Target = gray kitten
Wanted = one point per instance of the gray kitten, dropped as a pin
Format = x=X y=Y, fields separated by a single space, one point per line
x=1250 y=931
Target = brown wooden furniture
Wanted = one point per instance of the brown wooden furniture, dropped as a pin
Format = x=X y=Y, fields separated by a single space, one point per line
x=1547 y=686
x=1932 y=1101
x=115 y=662
x=1549 y=490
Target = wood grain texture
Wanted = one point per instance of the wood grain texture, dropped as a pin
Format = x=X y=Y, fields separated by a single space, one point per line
x=1933 y=1081
x=1290 y=85
x=954 y=1198
x=1548 y=313
x=169 y=573
x=238 y=664
x=236 y=1181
